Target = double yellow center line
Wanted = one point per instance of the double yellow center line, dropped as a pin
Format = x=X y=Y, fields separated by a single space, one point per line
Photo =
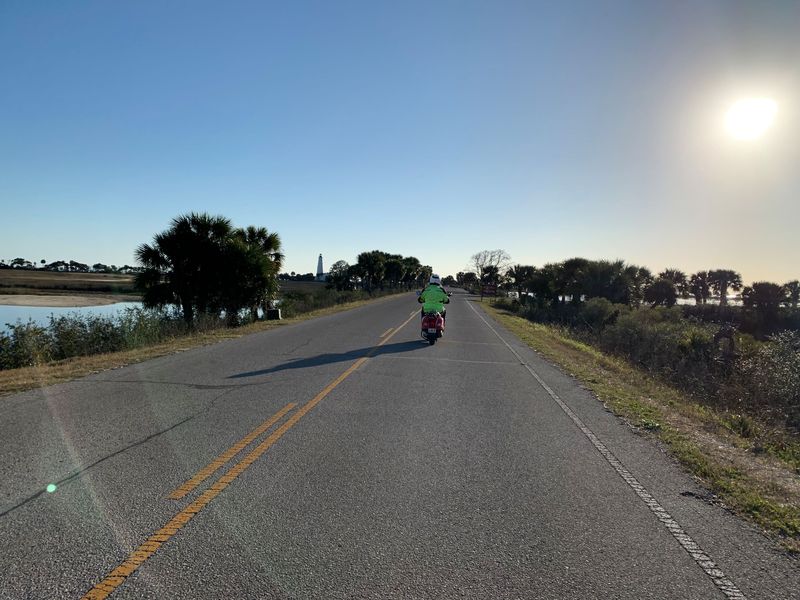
x=135 y=559
x=223 y=458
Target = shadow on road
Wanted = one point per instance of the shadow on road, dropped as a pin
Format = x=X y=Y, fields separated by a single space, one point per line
x=330 y=358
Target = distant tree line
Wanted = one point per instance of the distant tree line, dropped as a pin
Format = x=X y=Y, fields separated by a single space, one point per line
x=377 y=269
x=578 y=279
x=297 y=277
x=68 y=266
x=735 y=357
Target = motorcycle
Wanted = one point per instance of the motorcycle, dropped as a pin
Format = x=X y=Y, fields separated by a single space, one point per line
x=432 y=327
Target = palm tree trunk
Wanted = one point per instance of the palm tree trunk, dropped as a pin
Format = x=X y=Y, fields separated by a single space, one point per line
x=188 y=313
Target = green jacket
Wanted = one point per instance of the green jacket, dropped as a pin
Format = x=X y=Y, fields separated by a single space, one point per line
x=433 y=298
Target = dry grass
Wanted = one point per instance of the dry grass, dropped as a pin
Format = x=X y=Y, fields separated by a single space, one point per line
x=21 y=281
x=18 y=380
x=301 y=286
x=758 y=485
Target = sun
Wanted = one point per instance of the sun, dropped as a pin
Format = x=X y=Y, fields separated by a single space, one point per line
x=750 y=118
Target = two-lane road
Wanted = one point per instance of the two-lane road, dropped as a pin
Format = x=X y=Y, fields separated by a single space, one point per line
x=343 y=457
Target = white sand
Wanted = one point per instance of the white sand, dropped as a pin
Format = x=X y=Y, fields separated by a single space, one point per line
x=55 y=301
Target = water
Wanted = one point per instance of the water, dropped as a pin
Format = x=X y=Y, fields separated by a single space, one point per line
x=732 y=301
x=41 y=314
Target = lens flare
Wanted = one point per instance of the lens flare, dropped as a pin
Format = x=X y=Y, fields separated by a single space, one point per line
x=750 y=118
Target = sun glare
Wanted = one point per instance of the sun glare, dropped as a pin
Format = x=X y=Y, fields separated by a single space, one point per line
x=750 y=118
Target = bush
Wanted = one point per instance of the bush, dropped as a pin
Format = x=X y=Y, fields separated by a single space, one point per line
x=746 y=320
x=28 y=344
x=772 y=375
x=509 y=304
x=25 y=345
x=598 y=313
x=664 y=343
x=698 y=349
x=298 y=302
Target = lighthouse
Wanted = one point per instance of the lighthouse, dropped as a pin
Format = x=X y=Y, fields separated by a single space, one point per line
x=320 y=274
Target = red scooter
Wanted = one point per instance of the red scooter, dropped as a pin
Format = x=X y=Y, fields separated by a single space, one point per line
x=432 y=327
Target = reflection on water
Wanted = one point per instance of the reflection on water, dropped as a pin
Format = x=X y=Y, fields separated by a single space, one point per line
x=732 y=301
x=41 y=314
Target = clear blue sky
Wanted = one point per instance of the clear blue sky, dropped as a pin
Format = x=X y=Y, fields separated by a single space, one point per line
x=433 y=129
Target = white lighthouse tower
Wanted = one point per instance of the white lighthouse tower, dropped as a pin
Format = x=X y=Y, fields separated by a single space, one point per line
x=320 y=273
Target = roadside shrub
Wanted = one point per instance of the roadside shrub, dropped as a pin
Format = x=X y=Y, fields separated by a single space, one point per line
x=143 y=326
x=80 y=335
x=714 y=313
x=26 y=345
x=772 y=375
x=664 y=343
x=598 y=313
x=700 y=351
x=561 y=314
x=511 y=305
x=294 y=303
x=67 y=336
x=745 y=320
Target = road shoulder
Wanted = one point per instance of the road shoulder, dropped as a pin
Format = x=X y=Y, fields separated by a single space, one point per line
x=753 y=484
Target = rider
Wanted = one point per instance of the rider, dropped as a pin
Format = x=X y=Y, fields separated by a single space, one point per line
x=433 y=298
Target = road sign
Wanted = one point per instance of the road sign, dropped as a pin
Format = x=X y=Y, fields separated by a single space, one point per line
x=489 y=290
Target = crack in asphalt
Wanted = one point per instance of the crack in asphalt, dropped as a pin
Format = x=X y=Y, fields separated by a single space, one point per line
x=303 y=345
x=194 y=386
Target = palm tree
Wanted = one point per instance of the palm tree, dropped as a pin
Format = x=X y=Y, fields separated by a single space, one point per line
x=491 y=275
x=605 y=279
x=466 y=279
x=184 y=264
x=520 y=277
x=268 y=243
x=425 y=272
x=268 y=246
x=411 y=268
x=373 y=265
x=678 y=278
x=765 y=297
x=638 y=280
x=792 y=293
x=722 y=279
x=551 y=283
x=572 y=275
x=395 y=270
x=700 y=287
x=661 y=292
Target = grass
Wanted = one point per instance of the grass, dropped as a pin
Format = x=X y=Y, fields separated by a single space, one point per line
x=19 y=380
x=717 y=448
x=23 y=281
x=301 y=286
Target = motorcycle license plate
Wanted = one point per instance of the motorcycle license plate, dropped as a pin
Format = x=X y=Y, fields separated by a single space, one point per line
x=431 y=329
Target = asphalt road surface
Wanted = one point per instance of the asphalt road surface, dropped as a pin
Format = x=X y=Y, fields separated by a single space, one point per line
x=344 y=457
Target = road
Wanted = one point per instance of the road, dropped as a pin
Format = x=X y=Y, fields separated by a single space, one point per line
x=343 y=457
